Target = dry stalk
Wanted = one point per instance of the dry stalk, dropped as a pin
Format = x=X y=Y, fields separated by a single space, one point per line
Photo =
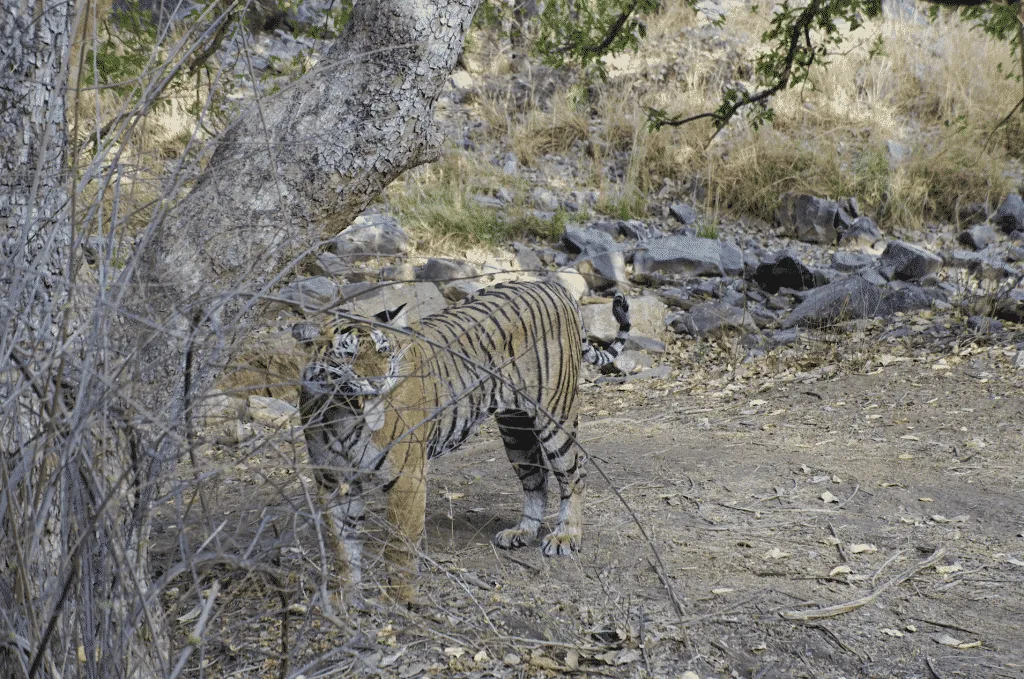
x=839 y=609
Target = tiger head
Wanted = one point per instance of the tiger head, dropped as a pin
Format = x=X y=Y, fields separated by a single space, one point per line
x=355 y=365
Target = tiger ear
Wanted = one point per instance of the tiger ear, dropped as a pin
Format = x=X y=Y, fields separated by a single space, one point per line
x=389 y=315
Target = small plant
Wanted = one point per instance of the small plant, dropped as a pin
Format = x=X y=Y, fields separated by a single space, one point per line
x=707 y=229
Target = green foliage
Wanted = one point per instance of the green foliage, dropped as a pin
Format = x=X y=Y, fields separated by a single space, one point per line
x=583 y=32
x=121 y=58
x=707 y=229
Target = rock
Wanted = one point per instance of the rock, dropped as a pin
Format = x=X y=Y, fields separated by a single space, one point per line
x=712 y=319
x=843 y=300
x=687 y=256
x=783 y=270
x=984 y=324
x=602 y=270
x=309 y=294
x=456 y=291
x=864 y=232
x=908 y=298
x=370 y=236
x=898 y=152
x=634 y=229
x=732 y=259
x=647 y=317
x=648 y=344
x=764 y=318
x=526 y=258
x=397 y=272
x=443 y=269
x=849 y=262
x=572 y=281
x=683 y=213
x=1015 y=253
x=492 y=202
x=679 y=298
x=369 y=299
x=657 y=373
x=872 y=276
x=216 y=407
x=905 y=262
x=631 y=361
x=1010 y=215
x=978 y=237
x=972 y=212
x=510 y=164
x=272 y=412
x=577 y=240
x=810 y=219
x=544 y=199
x=330 y=264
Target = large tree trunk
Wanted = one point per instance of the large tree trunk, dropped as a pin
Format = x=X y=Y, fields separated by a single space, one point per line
x=80 y=460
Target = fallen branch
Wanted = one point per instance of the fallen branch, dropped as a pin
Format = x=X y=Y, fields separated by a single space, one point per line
x=839 y=609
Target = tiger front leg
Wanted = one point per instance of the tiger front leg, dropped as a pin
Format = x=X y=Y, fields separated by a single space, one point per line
x=566 y=461
x=407 y=507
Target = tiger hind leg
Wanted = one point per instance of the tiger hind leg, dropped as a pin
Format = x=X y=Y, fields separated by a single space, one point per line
x=566 y=460
x=524 y=452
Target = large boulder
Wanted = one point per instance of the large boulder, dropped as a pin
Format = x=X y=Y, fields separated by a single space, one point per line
x=370 y=236
x=783 y=270
x=713 y=319
x=646 y=315
x=442 y=269
x=310 y=294
x=905 y=262
x=978 y=237
x=1010 y=215
x=809 y=218
x=687 y=256
x=864 y=232
x=842 y=300
x=369 y=299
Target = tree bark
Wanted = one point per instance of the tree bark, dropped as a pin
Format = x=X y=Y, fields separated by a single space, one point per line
x=80 y=460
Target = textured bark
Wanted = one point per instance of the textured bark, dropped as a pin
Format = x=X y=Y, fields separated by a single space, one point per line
x=72 y=564
x=294 y=169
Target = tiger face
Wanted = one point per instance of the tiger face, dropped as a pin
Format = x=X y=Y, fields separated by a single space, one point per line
x=355 y=366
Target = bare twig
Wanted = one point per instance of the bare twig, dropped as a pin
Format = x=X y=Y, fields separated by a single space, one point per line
x=195 y=639
x=839 y=609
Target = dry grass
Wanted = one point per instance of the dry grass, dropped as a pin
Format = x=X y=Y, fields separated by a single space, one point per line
x=830 y=137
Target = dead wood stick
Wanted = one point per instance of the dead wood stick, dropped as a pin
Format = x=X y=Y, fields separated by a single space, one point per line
x=839 y=609
x=196 y=638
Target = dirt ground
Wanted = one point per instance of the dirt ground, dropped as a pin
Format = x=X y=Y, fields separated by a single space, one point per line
x=763 y=503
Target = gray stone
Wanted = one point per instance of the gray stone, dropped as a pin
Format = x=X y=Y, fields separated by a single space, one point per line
x=1010 y=215
x=843 y=300
x=908 y=298
x=864 y=232
x=444 y=269
x=848 y=262
x=808 y=218
x=732 y=259
x=642 y=343
x=683 y=213
x=1015 y=253
x=397 y=272
x=308 y=294
x=984 y=324
x=577 y=240
x=330 y=264
x=216 y=407
x=679 y=298
x=712 y=319
x=872 y=276
x=647 y=318
x=656 y=373
x=898 y=152
x=783 y=270
x=526 y=258
x=510 y=164
x=544 y=199
x=369 y=299
x=370 y=236
x=634 y=229
x=683 y=255
x=631 y=361
x=972 y=212
x=457 y=291
x=603 y=270
x=978 y=237
x=905 y=262
x=764 y=318
x=492 y=202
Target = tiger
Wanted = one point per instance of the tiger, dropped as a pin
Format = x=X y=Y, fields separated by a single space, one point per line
x=378 y=400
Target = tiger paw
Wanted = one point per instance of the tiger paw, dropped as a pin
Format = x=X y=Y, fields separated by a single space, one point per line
x=560 y=543
x=514 y=538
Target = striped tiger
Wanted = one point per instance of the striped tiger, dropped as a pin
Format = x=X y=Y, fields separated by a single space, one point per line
x=378 y=402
